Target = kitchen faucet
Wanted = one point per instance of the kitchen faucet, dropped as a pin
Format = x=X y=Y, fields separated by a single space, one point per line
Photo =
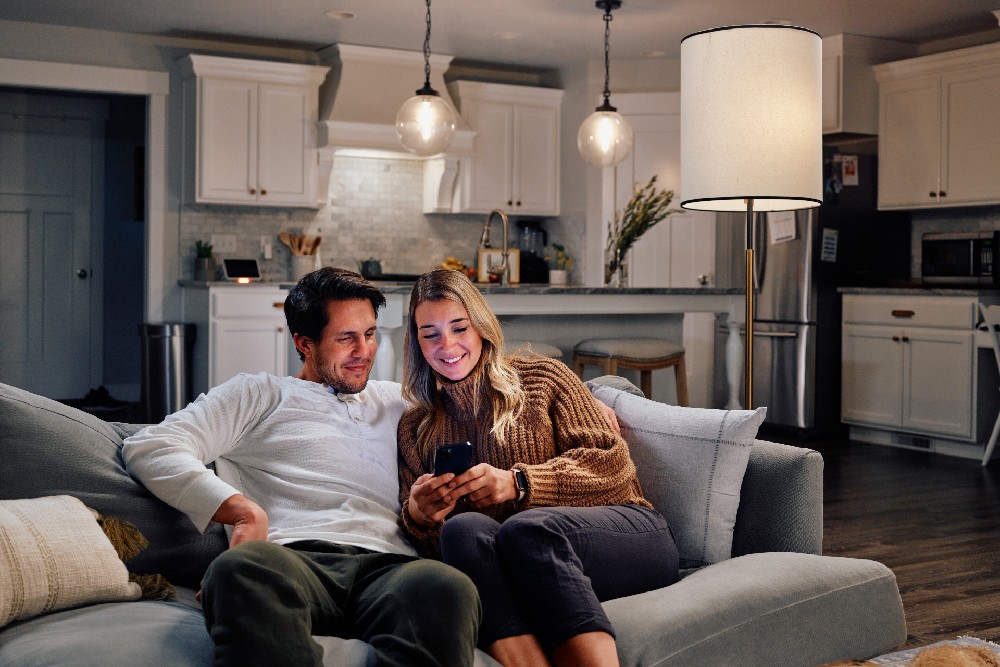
x=504 y=268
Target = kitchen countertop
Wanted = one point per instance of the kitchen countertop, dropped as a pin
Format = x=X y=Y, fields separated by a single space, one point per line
x=489 y=288
x=917 y=290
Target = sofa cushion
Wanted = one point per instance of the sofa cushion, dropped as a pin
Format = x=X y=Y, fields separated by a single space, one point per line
x=146 y=632
x=47 y=449
x=773 y=608
x=54 y=555
x=690 y=463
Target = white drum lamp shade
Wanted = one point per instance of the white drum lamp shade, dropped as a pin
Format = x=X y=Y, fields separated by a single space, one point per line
x=751 y=130
x=751 y=119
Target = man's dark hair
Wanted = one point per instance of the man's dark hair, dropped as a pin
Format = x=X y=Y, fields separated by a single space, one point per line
x=306 y=303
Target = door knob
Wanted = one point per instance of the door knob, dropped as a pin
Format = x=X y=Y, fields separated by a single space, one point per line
x=81 y=273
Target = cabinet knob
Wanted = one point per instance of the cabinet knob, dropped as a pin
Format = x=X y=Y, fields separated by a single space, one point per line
x=932 y=194
x=279 y=305
x=942 y=193
x=263 y=191
x=906 y=339
x=510 y=202
x=281 y=329
x=895 y=339
x=253 y=191
x=518 y=203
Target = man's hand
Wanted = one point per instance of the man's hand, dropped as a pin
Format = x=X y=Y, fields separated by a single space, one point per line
x=609 y=414
x=248 y=519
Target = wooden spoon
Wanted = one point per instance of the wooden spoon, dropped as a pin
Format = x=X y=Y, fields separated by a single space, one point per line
x=315 y=245
x=286 y=238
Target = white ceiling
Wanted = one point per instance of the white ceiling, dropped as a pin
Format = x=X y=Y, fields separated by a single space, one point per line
x=550 y=33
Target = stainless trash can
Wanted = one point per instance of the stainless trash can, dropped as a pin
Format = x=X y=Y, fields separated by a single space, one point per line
x=166 y=368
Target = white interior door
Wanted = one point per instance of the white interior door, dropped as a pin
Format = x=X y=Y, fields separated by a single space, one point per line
x=47 y=314
x=680 y=250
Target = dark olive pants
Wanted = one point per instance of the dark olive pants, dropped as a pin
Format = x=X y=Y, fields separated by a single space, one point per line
x=263 y=602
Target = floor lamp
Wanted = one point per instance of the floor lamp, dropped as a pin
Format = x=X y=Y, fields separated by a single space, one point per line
x=751 y=130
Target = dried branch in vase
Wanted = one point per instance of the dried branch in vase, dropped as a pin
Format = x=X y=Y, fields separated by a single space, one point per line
x=647 y=207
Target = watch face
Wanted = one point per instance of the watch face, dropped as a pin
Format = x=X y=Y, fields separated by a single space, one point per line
x=521 y=479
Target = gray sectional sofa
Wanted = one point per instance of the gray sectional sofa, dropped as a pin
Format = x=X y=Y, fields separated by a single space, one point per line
x=776 y=601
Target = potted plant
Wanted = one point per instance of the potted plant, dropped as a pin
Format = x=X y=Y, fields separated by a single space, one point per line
x=560 y=264
x=204 y=263
x=647 y=207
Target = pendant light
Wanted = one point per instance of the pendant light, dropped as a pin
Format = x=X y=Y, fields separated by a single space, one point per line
x=605 y=137
x=426 y=123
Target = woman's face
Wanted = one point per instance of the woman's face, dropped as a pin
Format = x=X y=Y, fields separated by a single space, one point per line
x=447 y=338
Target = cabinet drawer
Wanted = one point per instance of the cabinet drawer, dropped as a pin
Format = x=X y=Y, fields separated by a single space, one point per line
x=949 y=312
x=249 y=304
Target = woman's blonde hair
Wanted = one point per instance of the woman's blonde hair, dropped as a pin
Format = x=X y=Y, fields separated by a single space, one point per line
x=497 y=383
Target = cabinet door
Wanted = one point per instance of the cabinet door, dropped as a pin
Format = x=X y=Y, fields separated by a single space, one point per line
x=282 y=138
x=910 y=143
x=937 y=381
x=535 y=164
x=971 y=163
x=247 y=346
x=227 y=141
x=488 y=178
x=871 y=375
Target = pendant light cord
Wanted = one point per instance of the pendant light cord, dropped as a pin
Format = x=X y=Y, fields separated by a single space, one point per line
x=607 y=5
x=427 y=90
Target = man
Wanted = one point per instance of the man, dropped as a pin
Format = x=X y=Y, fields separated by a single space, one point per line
x=306 y=480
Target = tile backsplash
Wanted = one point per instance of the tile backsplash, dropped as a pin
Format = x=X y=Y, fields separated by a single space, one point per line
x=374 y=210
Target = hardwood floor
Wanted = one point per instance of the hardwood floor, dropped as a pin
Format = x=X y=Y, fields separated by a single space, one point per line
x=934 y=520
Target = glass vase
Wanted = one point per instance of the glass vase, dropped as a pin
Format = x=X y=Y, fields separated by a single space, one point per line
x=616 y=270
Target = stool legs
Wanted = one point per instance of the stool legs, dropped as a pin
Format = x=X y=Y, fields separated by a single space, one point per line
x=610 y=366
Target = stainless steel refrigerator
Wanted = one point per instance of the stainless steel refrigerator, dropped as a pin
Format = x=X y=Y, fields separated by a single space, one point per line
x=801 y=259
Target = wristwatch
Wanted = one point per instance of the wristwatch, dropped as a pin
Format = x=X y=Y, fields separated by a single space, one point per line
x=521 y=482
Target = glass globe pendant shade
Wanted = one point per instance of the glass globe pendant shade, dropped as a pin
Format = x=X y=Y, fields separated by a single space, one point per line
x=605 y=138
x=425 y=124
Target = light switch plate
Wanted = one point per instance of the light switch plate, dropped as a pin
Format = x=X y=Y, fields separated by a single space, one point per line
x=224 y=243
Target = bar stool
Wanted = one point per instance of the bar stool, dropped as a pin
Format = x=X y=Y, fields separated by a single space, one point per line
x=525 y=348
x=642 y=354
x=991 y=318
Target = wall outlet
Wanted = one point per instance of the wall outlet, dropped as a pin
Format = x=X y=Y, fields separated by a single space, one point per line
x=224 y=243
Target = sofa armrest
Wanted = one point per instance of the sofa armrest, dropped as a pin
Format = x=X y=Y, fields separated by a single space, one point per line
x=781 y=501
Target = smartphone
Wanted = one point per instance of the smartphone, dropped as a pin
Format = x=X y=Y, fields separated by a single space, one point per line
x=456 y=458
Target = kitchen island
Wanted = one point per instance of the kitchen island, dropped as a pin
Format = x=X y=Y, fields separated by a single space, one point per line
x=560 y=316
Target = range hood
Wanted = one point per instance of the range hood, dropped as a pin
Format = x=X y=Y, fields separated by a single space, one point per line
x=365 y=88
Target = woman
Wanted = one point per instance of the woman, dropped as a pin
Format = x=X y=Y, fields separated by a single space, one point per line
x=550 y=520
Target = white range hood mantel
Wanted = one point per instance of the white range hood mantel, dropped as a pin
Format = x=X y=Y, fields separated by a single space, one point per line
x=365 y=88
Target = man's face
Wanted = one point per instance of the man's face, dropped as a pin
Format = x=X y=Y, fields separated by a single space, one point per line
x=343 y=358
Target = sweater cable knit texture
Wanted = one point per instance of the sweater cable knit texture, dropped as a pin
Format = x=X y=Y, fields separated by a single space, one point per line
x=561 y=440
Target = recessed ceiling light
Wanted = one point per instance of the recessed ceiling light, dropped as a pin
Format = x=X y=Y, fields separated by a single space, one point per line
x=507 y=36
x=338 y=15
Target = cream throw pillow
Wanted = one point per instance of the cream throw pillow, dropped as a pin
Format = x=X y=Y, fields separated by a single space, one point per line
x=53 y=555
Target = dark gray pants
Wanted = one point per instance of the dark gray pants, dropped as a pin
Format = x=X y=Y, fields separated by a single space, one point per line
x=263 y=602
x=545 y=571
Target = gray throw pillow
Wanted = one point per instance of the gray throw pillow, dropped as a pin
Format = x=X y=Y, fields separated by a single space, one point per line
x=691 y=463
x=47 y=448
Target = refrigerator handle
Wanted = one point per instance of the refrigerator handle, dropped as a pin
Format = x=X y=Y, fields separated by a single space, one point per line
x=760 y=249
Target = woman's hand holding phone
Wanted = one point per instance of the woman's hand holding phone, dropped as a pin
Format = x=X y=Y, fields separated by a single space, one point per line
x=429 y=504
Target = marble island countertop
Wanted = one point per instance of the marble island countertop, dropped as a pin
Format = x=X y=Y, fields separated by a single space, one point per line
x=490 y=288
x=919 y=289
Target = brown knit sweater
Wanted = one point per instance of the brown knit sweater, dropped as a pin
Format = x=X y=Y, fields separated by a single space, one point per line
x=561 y=441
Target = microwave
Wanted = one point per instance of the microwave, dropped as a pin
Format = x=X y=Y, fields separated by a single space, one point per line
x=960 y=258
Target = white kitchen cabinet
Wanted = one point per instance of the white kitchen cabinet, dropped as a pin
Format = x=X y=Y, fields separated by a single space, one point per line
x=680 y=250
x=241 y=329
x=939 y=142
x=850 y=92
x=908 y=363
x=250 y=131
x=515 y=162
